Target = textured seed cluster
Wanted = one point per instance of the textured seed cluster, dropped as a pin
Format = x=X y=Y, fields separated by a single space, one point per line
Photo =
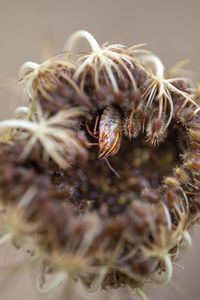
x=100 y=173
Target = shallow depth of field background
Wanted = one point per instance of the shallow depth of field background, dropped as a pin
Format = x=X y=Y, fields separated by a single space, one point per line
x=31 y=30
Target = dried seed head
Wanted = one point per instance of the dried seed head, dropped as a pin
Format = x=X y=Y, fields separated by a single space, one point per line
x=172 y=182
x=195 y=145
x=131 y=124
x=107 y=63
x=84 y=222
x=182 y=175
x=56 y=134
x=152 y=195
x=183 y=115
x=194 y=164
x=195 y=133
x=156 y=130
x=161 y=89
x=52 y=82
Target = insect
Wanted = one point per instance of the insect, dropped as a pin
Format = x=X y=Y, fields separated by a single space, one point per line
x=109 y=134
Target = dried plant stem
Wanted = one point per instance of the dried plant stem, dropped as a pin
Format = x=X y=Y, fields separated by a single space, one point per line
x=76 y=36
x=43 y=289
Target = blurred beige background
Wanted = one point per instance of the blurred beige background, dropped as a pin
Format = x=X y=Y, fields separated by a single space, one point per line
x=171 y=30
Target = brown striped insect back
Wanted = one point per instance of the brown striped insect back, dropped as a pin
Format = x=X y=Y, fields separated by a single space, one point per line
x=110 y=132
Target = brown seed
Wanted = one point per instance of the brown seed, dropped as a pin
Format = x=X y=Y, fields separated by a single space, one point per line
x=152 y=195
x=195 y=133
x=171 y=198
x=186 y=116
x=195 y=164
x=131 y=125
x=196 y=145
x=182 y=175
x=172 y=182
x=156 y=131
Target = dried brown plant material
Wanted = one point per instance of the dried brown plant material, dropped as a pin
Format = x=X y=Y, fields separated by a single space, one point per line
x=56 y=134
x=61 y=199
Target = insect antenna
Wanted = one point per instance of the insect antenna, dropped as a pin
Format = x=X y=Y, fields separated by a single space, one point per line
x=112 y=169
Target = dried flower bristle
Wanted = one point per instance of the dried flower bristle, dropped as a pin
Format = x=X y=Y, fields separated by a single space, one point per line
x=59 y=159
